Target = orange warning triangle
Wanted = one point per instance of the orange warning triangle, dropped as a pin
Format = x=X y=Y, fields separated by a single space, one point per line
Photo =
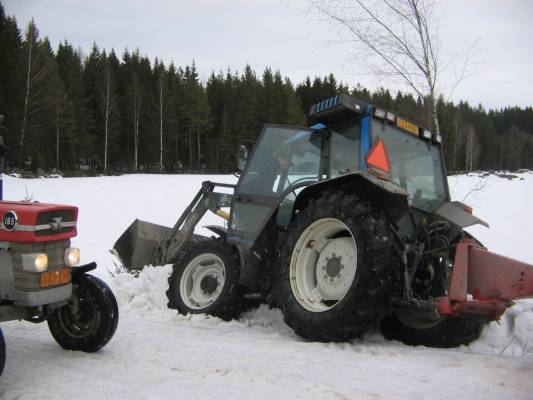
x=377 y=157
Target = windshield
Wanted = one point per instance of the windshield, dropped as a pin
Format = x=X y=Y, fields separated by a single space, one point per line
x=415 y=165
x=283 y=157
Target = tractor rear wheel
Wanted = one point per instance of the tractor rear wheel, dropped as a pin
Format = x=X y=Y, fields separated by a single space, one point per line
x=205 y=280
x=445 y=332
x=336 y=265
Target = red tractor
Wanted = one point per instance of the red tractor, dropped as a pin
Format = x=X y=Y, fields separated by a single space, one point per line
x=40 y=279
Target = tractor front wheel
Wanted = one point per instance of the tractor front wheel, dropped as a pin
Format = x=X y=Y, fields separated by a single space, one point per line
x=90 y=318
x=2 y=352
x=336 y=265
x=205 y=280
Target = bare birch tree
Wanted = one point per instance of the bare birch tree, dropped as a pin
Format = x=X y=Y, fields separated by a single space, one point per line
x=161 y=122
x=135 y=92
x=395 y=39
x=136 y=116
x=37 y=83
x=57 y=136
x=471 y=148
x=108 y=106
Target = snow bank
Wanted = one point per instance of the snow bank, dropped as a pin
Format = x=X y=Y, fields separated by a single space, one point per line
x=145 y=294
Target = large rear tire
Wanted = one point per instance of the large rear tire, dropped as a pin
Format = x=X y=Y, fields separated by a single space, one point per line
x=90 y=318
x=336 y=265
x=205 y=280
x=445 y=332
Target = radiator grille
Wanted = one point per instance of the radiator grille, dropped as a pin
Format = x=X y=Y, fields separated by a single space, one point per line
x=47 y=217
x=29 y=281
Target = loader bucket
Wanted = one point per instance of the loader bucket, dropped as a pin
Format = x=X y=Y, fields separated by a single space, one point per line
x=137 y=246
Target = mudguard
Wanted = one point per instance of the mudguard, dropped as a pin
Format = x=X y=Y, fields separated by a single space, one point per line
x=388 y=195
x=456 y=213
x=76 y=271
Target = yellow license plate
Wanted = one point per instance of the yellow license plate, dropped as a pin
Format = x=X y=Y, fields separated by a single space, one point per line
x=406 y=125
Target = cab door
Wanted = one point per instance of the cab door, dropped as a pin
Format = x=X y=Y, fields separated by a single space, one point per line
x=284 y=158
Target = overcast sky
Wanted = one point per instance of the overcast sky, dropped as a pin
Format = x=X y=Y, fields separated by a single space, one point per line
x=219 y=34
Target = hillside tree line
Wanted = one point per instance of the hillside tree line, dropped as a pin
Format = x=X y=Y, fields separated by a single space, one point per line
x=105 y=113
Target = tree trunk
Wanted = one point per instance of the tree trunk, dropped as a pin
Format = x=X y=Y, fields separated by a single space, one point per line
x=26 y=99
x=57 y=136
x=177 y=148
x=434 y=115
x=136 y=111
x=198 y=140
x=161 y=124
x=500 y=154
x=190 y=148
x=455 y=144
x=107 y=110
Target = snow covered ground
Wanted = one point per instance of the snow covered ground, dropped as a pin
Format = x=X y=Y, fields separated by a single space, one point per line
x=157 y=354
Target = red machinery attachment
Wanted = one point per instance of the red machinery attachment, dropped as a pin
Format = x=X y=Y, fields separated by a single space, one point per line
x=492 y=281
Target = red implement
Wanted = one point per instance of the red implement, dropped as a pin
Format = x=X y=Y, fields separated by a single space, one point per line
x=492 y=281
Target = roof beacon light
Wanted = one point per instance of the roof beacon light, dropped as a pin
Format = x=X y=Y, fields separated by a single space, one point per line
x=380 y=113
x=378 y=160
x=438 y=138
x=391 y=117
x=426 y=134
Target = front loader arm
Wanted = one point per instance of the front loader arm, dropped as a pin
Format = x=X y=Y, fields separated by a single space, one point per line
x=145 y=243
x=183 y=229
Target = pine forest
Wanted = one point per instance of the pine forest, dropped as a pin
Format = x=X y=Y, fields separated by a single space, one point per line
x=104 y=113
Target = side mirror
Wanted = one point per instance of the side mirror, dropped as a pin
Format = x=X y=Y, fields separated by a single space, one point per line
x=242 y=156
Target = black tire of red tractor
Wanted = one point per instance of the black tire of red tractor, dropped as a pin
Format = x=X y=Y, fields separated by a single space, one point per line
x=368 y=298
x=230 y=304
x=97 y=318
x=2 y=352
x=449 y=332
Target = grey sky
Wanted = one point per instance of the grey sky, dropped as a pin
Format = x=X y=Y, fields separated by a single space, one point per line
x=219 y=34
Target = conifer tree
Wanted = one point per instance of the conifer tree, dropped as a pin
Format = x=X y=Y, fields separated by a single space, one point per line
x=11 y=83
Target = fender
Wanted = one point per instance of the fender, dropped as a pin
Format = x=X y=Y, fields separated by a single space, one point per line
x=388 y=195
x=248 y=270
x=77 y=271
x=456 y=212
x=218 y=230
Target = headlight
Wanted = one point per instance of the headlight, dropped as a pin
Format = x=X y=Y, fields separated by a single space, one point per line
x=34 y=262
x=72 y=256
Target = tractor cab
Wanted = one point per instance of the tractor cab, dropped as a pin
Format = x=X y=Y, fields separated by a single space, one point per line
x=349 y=137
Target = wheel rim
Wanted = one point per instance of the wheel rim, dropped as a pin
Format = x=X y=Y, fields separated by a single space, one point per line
x=202 y=281
x=323 y=265
x=78 y=320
